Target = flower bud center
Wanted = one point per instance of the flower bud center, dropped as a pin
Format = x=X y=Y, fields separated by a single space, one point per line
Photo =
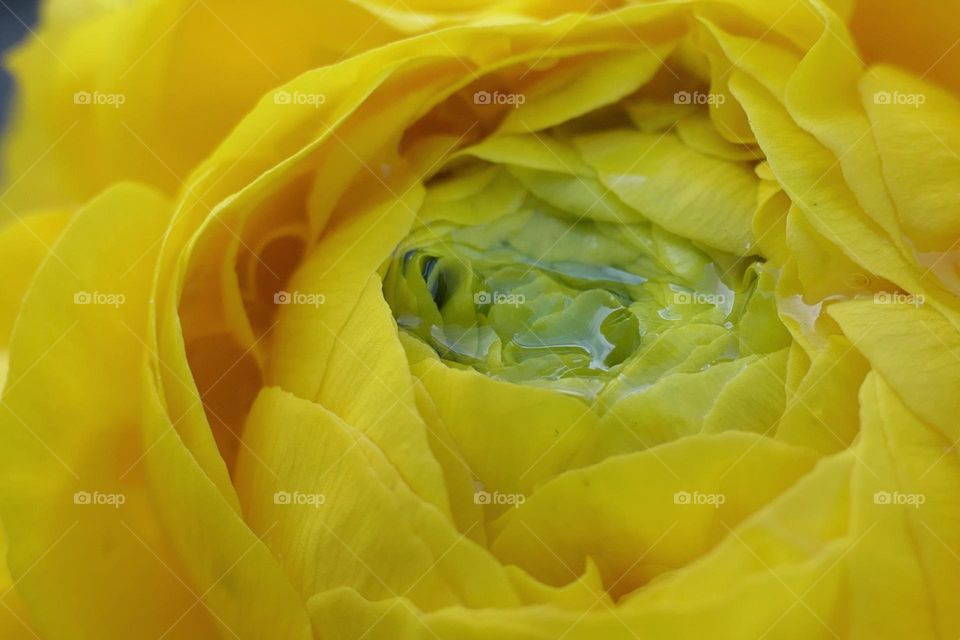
x=539 y=298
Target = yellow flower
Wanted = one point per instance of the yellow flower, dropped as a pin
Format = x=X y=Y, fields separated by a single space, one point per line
x=464 y=320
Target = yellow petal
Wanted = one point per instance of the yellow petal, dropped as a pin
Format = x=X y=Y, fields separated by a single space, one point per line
x=511 y=437
x=922 y=176
x=636 y=508
x=343 y=350
x=810 y=175
x=753 y=400
x=86 y=352
x=904 y=571
x=650 y=173
x=14 y=620
x=920 y=40
x=823 y=269
x=822 y=411
x=822 y=97
x=780 y=571
x=780 y=568
x=455 y=200
x=142 y=118
x=24 y=243
x=460 y=479
x=894 y=336
x=362 y=526
x=588 y=84
x=698 y=133
x=533 y=151
x=769 y=222
x=652 y=416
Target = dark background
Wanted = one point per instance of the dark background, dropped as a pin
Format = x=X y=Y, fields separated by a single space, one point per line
x=15 y=16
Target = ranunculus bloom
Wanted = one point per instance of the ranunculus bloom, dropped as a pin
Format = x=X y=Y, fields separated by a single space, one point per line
x=464 y=320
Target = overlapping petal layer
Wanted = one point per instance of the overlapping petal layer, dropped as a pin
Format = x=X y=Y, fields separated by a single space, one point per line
x=293 y=464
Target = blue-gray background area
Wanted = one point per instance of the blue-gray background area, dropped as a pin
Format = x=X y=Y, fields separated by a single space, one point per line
x=16 y=16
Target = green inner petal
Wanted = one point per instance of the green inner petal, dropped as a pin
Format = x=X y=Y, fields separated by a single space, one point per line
x=579 y=305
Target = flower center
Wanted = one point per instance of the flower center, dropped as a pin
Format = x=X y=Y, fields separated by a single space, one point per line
x=539 y=298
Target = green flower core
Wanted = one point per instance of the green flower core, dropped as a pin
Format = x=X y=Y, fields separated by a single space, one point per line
x=593 y=308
